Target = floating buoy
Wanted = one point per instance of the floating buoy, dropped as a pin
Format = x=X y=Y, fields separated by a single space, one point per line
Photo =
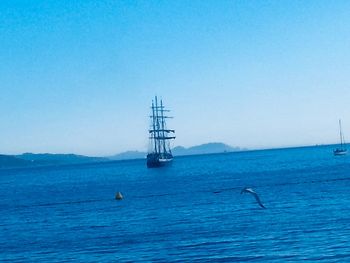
x=118 y=196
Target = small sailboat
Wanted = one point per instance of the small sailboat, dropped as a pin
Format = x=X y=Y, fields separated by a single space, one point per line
x=342 y=147
x=159 y=153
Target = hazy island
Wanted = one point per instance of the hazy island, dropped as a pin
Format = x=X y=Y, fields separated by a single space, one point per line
x=49 y=159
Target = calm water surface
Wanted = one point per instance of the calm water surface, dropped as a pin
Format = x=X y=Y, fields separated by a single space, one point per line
x=191 y=211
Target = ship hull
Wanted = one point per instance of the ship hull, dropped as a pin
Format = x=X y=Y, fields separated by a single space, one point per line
x=153 y=161
x=340 y=152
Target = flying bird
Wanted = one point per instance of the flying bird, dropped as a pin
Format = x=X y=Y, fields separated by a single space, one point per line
x=251 y=191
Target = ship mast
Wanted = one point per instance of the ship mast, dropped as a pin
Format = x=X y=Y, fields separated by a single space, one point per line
x=163 y=126
x=153 y=136
x=341 y=135
x=159 y=132
x=342 y=140
x=157 y=126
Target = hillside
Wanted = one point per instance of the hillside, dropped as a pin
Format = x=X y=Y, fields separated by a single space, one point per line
x=207 y=148
x=58 y=159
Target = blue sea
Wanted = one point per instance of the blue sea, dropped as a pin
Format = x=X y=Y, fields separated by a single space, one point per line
x=190 y=211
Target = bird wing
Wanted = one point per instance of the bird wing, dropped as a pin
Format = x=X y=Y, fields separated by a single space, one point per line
x=247 y=190
x=251 y=191
x=257 y=199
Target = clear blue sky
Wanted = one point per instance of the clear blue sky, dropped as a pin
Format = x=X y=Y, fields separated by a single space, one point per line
x=79 y=76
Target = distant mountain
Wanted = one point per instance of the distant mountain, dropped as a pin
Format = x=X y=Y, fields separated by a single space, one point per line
x=214 y=147
x=128 y=155
x=179 y=150
x=58 y=159
x=207 y=148
x=47 y=159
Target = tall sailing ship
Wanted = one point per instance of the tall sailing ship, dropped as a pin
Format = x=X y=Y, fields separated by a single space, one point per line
x=341 y=150
x=159 y=151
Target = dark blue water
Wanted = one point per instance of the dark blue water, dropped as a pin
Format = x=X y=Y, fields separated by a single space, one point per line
x=191 y=211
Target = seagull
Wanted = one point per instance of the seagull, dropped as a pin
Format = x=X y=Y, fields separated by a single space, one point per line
x=251 y=191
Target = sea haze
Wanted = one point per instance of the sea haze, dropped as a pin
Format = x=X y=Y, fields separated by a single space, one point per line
x=190 y=211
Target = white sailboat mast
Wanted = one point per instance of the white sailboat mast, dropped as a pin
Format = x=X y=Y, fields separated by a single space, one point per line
x=341 y=135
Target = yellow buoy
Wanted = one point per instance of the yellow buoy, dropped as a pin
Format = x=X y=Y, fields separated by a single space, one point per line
x=118 y=196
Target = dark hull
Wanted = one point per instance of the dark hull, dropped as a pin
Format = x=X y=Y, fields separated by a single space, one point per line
x=340 y=152
x=154 y=161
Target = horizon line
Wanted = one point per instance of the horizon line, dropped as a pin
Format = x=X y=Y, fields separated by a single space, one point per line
x=243 y=149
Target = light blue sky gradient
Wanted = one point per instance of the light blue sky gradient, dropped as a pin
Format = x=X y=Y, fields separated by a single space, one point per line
x=79 y=76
